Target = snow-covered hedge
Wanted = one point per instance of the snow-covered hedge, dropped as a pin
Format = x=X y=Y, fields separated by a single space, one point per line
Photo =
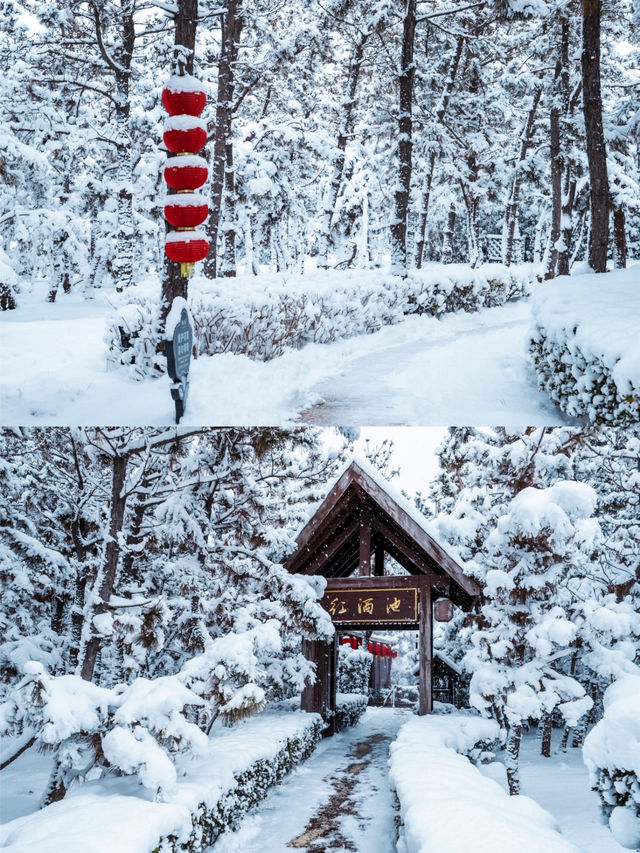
x=263 y=317
x=612 y=753
x=586 y=347
x=354 y=670
x=349 y=708
x=213 y=793
x=446 y=803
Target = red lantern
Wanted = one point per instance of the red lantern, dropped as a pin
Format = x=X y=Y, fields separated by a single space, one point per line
x=186 y=247
x=377 y=649
x=354 y=643
x=345 y=641
x=394 y=654
x=444 y=610
x=184 y=96
x=184 y=134
x=186 y=210
x=186 y=173
x=370 y=647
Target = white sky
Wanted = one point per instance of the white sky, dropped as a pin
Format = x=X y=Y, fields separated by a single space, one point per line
x=414 y=453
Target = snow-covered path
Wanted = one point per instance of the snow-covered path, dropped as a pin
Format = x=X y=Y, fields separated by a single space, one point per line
x=461 y=369
x=339 y=800
x=560 y=784
x=464 y=368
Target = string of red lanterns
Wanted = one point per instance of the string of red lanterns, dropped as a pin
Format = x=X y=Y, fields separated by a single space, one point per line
x=380 y=649
x=184 y=135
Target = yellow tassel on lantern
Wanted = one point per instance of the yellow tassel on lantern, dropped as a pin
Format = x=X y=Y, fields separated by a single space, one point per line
x=186 y=270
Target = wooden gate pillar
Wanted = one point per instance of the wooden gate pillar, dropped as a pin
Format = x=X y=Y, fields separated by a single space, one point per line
x=425 y=705
x=320 y=697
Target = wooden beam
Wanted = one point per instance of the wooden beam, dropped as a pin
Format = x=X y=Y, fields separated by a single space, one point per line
x=425 y=699
x=378 y=560
x=416 y=531
x=330 y=548
x=365 y=543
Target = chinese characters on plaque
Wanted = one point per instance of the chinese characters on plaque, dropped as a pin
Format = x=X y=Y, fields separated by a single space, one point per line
x=372 y=605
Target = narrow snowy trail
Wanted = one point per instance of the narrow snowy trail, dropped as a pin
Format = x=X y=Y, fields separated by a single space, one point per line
x=461 y=369
x=337 y=801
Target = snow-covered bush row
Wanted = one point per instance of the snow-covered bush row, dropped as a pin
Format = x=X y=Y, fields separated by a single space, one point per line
x=585 y=346
x=354 y=670
x=212 y=793
x=349 y=708
x=264 y=317
x=446 y=803
x=612 y=754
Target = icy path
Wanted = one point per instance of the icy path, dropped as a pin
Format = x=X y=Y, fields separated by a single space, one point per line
x=339 y=800
x=462 y=369
x=561 y=785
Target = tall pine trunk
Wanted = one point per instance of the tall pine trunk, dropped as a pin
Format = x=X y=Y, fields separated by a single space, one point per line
x=405 y=144
x=231 y=27
x=186 y=23
x=596 y=151
x=428 y=179
x=346 y=128
x=512 y=758
x=619 y=239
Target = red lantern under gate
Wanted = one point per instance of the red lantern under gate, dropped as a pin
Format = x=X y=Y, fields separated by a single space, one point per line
x=186 y=247
x=345 y=641
x=377 y=648
x=370 y=647
x=186 y=173
x=184 y=95
x=184 y=134
x=186 y=210
x=354 y=643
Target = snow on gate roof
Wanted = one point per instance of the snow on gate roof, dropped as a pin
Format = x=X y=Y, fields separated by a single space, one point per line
x=361 y=501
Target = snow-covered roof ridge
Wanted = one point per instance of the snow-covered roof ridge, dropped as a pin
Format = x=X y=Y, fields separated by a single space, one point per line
x=360 y=469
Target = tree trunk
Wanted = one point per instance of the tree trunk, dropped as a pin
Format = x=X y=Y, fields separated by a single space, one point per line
x=619 y=239
x=123 y=260
x=596 y=151
x=557 y=164
x=406 y=79
x=511 y=213
x=186 y=24
x=512 y=758
x=547 y=727
x=108 y=574
x=229 y=259
x=447 y=236
x=231 y=28
x=440 y=114
x=346 y=128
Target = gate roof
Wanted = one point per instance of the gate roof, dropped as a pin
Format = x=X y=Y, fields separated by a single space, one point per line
x=363 y=508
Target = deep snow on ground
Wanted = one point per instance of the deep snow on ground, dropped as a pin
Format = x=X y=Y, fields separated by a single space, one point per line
x=560 y=784
x=464 y=368
x=22 y=784
x=347 y=772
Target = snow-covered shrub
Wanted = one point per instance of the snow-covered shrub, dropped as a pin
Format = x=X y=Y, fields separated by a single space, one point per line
x=435 y=783
x=213 y=792
x=585 y=345
x=133 y=332
x=251 y=786
x=349 y=708
x=140 y=728
x=263 y=317
x=354 y=670
x=612 y=753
